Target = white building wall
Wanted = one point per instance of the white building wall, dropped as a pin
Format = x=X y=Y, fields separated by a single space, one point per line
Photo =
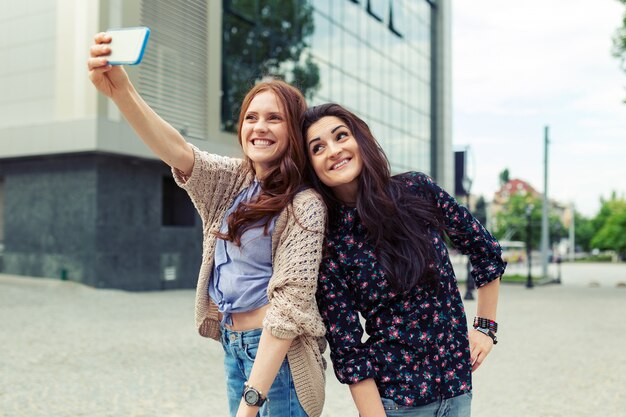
x=27 y=73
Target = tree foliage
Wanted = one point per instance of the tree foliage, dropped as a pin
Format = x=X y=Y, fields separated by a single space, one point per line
x=265 y=38
x=504 y=177
x=480 y=211
x=512 y=221
x=610 y=224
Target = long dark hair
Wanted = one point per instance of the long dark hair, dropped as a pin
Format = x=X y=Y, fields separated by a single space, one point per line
x=284 y=180
x=402 y=242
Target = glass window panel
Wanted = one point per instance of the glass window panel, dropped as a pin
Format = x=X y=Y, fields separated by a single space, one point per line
x=323 y=6
x=321 y=37
x=397 y=23
x=274 y=42
x=378 y=9
x=324 y=92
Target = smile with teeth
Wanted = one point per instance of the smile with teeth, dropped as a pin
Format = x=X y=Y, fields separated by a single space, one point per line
x=262 y=142
x=340 y=164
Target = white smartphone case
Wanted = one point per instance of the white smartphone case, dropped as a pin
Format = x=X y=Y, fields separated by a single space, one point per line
x=128 y=45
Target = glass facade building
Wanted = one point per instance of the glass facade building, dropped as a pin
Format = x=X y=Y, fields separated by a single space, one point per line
x=374 y=57
x=108 y=213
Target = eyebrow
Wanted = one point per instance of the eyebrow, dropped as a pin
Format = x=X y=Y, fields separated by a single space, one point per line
x=271 y=113
x=332 y=131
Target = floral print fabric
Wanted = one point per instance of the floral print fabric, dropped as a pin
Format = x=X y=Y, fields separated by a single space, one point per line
x=418 y=349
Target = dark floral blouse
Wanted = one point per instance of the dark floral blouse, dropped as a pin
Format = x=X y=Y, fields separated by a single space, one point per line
x=418 y=348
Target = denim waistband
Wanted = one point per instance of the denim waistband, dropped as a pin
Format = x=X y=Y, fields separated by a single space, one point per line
x=246 y=337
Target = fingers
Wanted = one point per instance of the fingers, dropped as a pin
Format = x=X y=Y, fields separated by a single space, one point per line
x=99 y=50
x=480 y=346
x=480 y=356
x=97 y=63
x=102 y=37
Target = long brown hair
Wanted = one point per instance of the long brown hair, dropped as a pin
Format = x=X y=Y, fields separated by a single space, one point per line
x=402 y=241
x=284 y=180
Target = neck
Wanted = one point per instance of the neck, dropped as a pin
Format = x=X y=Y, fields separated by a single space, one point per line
x=260 y=172
x=347 y=193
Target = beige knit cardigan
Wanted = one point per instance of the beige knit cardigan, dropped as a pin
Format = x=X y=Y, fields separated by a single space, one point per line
x=213 y=185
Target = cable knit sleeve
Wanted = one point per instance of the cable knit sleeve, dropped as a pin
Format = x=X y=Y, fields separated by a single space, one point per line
x=293 y=310
x=465 y=232
x=212 y=176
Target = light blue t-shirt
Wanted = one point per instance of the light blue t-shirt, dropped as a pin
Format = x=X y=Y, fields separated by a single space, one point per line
x=241 y=273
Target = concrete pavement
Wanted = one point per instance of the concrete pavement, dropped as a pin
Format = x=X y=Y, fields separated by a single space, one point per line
x=70 y=350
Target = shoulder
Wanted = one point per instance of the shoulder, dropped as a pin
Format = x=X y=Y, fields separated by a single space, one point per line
x=308 y=199
x=418 y=183
x=414 y=179
x=309 y=210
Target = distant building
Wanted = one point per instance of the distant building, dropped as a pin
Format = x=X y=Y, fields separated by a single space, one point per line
x=521 y=187
x=83 y=199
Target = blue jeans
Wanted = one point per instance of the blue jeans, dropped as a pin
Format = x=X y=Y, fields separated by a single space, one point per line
x=240 y=350
x=451 y=407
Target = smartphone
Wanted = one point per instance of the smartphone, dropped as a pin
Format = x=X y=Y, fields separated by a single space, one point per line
x=127 y=45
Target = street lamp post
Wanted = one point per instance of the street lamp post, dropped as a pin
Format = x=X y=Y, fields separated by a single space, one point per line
x=467 y=185
x=529 y=210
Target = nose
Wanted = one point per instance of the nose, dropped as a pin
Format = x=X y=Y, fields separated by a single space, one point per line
x=260 y=126
x=334 y=149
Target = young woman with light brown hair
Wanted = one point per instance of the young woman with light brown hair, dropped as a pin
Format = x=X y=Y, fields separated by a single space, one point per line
x=263 y=234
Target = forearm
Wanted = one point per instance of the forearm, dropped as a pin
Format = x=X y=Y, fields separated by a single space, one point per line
x=269 y=358
x=487 y=303
x=165 y=141
x=367 y=399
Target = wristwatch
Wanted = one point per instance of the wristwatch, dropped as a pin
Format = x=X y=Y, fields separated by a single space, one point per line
x=252 y=396
x=489 y=333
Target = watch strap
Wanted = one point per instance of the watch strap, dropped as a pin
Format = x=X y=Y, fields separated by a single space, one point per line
x=489 y=333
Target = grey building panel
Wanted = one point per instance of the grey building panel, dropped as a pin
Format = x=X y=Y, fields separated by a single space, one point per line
x=95 y=219
x=49 y=217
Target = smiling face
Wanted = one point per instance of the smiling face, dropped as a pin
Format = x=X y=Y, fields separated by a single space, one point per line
x=335 y=156
x=264 y=132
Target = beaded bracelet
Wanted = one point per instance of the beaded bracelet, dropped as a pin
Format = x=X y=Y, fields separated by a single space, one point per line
x=485 y=324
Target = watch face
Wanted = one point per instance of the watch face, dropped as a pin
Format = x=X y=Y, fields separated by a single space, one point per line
x=251 y=397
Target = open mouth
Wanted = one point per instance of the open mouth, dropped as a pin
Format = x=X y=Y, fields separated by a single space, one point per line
x=262 y=142
x=340 y=164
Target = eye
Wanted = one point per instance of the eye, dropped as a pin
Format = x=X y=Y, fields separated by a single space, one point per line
x=275 y=117
x=316 y=148
x=342 y=135
x=250 y=117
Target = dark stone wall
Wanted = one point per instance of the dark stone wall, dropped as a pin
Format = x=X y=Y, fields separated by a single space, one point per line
x=134 y=248
x=95 y=219
x=49 y=217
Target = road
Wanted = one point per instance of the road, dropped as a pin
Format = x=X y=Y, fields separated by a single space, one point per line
x=71 y=350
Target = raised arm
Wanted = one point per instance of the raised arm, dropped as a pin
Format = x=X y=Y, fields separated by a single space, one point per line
x=112 y=81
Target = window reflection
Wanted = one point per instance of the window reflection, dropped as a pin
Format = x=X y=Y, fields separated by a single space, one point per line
x=261 y=38
x=341 y=53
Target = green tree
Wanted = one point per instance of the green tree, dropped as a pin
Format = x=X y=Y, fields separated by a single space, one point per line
x=619 y=41
x=611 y=234
x=480 y=212
x=504 y=177
x=512 y=221
x=264 y=38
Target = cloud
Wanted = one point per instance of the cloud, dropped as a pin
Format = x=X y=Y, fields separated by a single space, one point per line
x=518 y=66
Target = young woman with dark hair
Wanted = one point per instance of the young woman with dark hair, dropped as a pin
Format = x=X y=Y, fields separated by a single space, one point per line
x=385 y=258
x=262 y=244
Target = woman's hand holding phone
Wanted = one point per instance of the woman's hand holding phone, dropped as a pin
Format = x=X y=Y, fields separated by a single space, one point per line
x=109 y=79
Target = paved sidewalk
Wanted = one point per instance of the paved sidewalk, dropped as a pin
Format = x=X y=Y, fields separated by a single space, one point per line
x=70 y=350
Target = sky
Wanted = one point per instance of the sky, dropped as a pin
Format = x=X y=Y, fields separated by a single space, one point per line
x=518 y=66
